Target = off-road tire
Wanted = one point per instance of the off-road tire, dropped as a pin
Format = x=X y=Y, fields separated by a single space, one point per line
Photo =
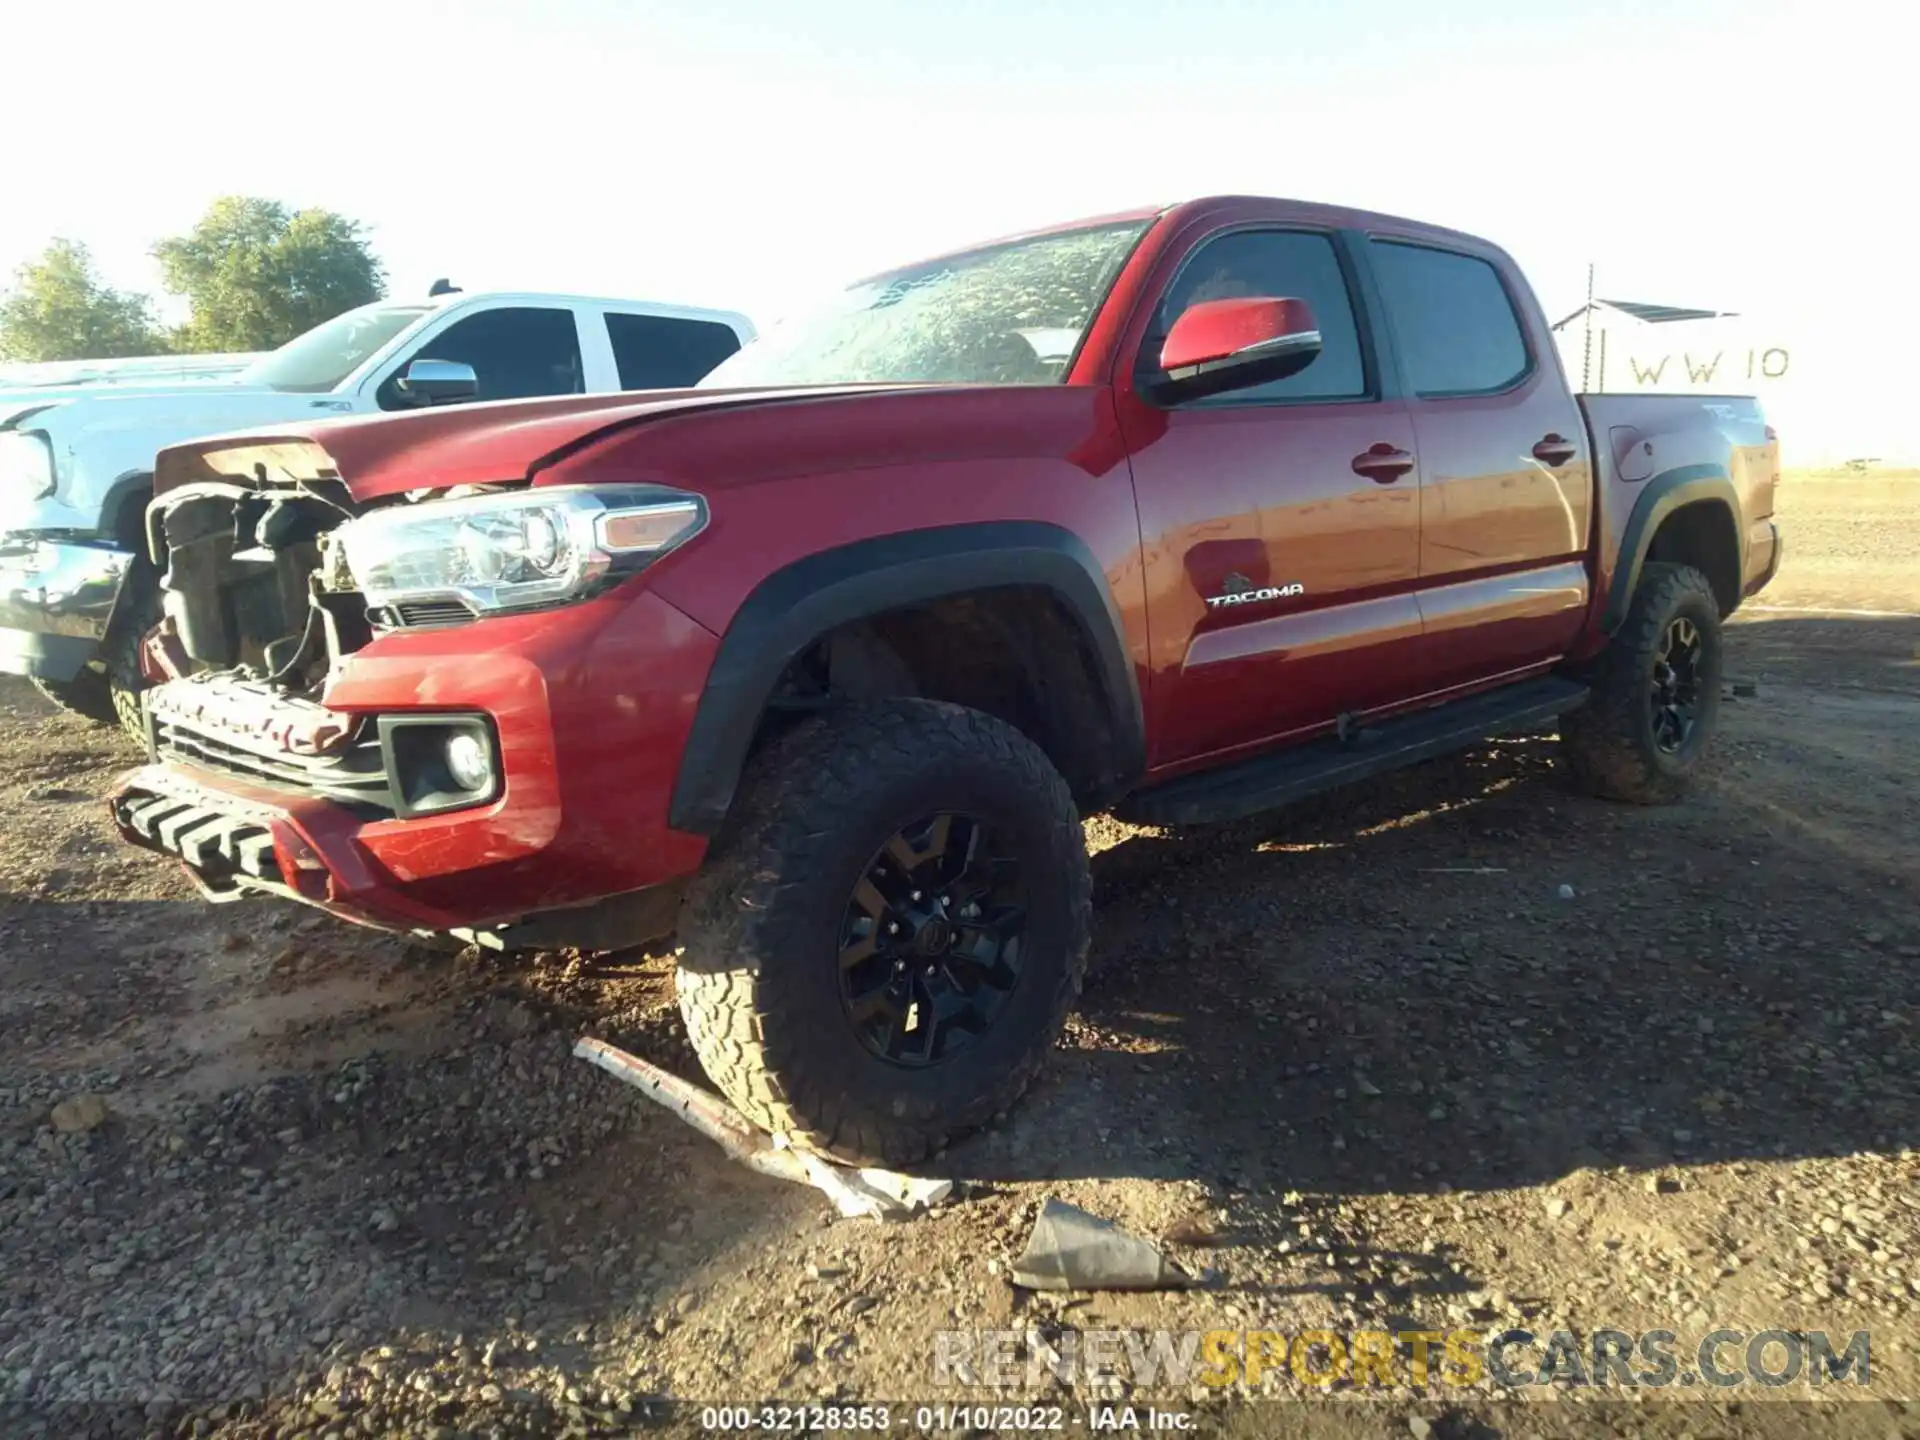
x=1609 y=745
x=759 y=977
x=138 y=612
x=107 y=690
x=85 y=695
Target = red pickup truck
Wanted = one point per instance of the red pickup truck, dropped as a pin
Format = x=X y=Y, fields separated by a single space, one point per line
x=1183 y=513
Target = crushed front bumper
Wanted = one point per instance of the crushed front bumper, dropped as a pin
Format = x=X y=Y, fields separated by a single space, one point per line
x=236 y=838
x=590 y=706
x=56 y=597
x=216 y=843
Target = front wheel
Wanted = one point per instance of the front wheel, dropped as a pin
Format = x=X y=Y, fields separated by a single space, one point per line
x=138 y=611
x=107 y=690
x=883 y=945
x=1643 y=736
x=86 y=695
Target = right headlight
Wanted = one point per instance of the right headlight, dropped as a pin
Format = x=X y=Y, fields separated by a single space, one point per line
x=517 y=549
x=26 y=463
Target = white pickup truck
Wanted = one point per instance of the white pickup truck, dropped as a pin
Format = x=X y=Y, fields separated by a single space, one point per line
x=76 y=463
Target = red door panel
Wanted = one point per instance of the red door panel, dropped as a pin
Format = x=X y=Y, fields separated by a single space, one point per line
x=1500 y=623
x=1267 y=497
x=1307 y=486
x=1505 y=491
x=1492 y=514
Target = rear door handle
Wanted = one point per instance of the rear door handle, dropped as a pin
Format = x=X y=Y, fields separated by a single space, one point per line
x=1382 y=463
x=1555 y=450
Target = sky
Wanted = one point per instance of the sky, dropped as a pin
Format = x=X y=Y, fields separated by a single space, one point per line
x=1748 y=156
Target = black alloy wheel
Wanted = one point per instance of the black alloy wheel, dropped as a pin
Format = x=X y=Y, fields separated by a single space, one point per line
x=887 y=935
x=1676 y=684
x=931 y=940
x=1653 y=693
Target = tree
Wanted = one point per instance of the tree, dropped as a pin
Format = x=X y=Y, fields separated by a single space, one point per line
x=59 y=310
x=256 y=275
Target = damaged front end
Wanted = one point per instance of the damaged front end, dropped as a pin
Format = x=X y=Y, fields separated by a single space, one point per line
x=260 y=608
x=282 y=764
x=251 y=583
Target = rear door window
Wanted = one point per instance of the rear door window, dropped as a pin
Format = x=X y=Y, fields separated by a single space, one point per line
x=666 y=352
x=1453 y=319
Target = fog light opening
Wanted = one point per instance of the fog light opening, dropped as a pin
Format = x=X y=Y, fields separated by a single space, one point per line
x=436 y=763
x=469 y=761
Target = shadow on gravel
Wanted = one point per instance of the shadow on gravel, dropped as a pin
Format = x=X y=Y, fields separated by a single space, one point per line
x=1848 y=652
x=1383 y=992
x=480 y=1183
x=1386 y=991
x=318 y=1139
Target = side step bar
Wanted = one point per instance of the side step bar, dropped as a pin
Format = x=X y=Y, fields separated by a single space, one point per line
x=1268 y=782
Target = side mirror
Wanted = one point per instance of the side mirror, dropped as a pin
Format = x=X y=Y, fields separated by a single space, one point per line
x=438 y=382
x=1221 y=345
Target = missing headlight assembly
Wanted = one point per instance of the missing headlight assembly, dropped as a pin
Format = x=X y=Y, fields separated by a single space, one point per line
x=244 y=577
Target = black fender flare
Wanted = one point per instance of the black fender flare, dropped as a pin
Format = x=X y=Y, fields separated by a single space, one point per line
x=797 y=604
x=1662 y=495
x=125 y=488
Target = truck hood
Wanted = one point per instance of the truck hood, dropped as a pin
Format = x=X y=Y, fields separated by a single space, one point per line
x=170 y=411
x=477 y=444
x=19 y=400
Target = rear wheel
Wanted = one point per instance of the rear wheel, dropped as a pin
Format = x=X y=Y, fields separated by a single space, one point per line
x=883 y=946
x=1656 y=693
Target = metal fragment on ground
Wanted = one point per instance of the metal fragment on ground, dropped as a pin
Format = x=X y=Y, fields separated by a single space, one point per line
x=1072 y=1250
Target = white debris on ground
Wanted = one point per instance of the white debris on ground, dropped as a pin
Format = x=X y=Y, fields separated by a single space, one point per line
x=874 y=1193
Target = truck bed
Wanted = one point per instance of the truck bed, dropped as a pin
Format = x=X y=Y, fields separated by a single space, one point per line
x=1639 y=441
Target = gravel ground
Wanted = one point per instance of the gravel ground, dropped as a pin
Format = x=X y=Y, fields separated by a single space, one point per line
x=1364 y=1065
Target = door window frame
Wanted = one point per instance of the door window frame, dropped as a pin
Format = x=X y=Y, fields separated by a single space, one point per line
x=445 y=321
x=1527 y=373
x=1378 y=363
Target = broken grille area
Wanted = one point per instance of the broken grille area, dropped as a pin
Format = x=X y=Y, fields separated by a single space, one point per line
x=249 y=731
x=215 y=844
x=355 y=777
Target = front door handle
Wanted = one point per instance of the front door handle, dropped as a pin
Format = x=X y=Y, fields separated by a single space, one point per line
x=1555 y=450
x=1382 y=463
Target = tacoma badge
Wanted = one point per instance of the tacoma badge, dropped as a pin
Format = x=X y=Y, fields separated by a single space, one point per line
x=1247 y=597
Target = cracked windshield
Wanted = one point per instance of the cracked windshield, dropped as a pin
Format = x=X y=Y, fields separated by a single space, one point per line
x=1009 y=314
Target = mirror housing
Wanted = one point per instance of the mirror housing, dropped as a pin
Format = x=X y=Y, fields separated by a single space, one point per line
x=1217 y=346
x=438 y=382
